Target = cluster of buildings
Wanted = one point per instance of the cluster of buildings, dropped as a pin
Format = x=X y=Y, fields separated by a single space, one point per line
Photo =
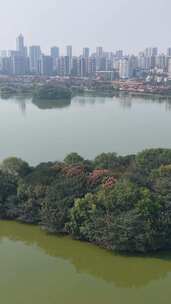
x=100 y=65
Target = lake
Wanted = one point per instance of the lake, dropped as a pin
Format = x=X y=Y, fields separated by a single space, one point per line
x=39 y=131
x=37 y=268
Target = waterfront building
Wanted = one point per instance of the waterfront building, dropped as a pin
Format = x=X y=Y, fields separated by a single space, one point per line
x=169 y=52
x=63 y=66
x=20 y=44
x=161 y=61
x=86 y=52
x=119 y=54
x=34 y=55
x=3 y=54
x=19 y=64
x=169 y=68
x=141 y=61
x=99 y=51
x=46 y=65
x=133 y=65
x=69 y=55
x=151 y=51
x=124 y=68
x=55 y=53
x=91 y=65
x=75 y=66
x=6 y=66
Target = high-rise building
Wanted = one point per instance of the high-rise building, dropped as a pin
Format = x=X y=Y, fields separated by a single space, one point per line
x=67 y=65
x=161 y=61
x=6 y=65
x=61 y=66
x=46 y=65
x=69 y=51
x=86 y=52
x=25 y=51
x=75 y=66
x=20 y=44
x=69 y=55
x=169 y=68
x=55 y=53
x=151 y=51
x=133 y=64
x=99 y=51
x=92 y=65
x=3 y=54
x=169 y=52
x=124 y=68
x=101 y=63
x=119 y=54
x=19 y=64
x=34 y=55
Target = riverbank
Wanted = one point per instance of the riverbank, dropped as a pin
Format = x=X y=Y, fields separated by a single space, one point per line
x=119 y=203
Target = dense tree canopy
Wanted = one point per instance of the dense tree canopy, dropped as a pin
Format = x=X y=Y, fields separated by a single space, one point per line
x=120 y=203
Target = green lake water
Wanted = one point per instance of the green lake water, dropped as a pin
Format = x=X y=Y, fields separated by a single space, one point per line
x=39 y=131
x=37 y=268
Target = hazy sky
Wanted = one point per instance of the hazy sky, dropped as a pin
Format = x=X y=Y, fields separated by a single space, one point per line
x=114 y=24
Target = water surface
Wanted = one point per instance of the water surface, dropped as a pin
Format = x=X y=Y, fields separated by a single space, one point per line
x=40 y=269
x=39 y=131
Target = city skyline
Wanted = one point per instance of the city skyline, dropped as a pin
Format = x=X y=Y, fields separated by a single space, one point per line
x=85 y=50
x=130 y=25
x=100 y=64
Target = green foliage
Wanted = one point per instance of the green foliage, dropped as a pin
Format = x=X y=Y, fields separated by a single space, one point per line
x=30 y=199
x=73 y=158
x=119 y=203
x=106 y=161
x=15 y=166
x=8 y=196
x=153 y=159
x=59 y=199
x=51 y=92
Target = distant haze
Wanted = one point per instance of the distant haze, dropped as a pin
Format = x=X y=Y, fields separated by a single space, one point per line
x=131 y=25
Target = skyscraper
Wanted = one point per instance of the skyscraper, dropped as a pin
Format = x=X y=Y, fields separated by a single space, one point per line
x=99 y=51
x=86 y=52
x=169 y=68
x=169 y=52
x=34 y=55
x=20 y=44
x=151 y=51
x=119 y=54
x=69 y=55
x=55 y=53
x=124 y=68
x=46 y=65
x=69 y=51
x=19 y=64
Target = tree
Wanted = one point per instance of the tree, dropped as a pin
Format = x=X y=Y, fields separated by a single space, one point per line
x=15 y=166
x=8 y=197
x=59 y=199
x=73 y=158
x=106 y=161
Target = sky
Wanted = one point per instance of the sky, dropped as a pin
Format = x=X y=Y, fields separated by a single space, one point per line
x=131 y=25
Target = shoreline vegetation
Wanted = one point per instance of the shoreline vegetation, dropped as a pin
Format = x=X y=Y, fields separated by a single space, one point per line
x=53 y=92
x=121 y=203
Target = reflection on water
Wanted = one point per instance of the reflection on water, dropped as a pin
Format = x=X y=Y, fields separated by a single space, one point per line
x=86 y=124
x=51 y=104
x=122 y=271
x=125 y=100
